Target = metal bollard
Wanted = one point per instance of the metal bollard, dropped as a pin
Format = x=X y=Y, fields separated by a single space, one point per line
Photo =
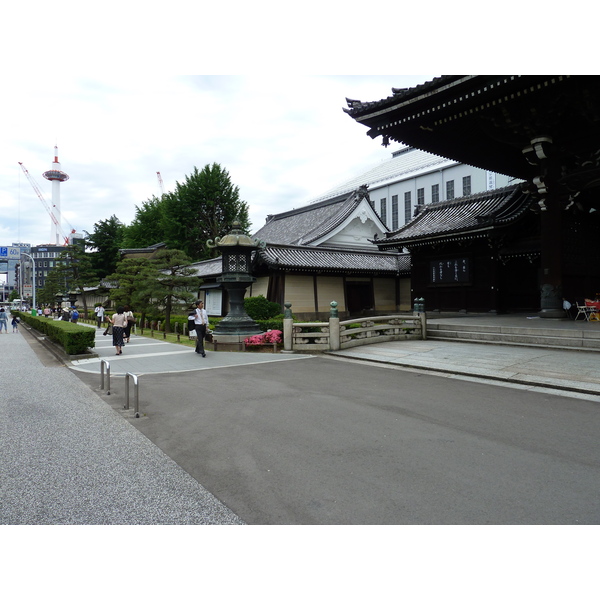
x=136 y=404
x=102 y=363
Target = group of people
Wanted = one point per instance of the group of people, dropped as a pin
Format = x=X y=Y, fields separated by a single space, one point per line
x=4 y=322
x=122 y=322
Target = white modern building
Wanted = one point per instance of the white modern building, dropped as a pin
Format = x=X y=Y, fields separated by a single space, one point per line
x=412 y=178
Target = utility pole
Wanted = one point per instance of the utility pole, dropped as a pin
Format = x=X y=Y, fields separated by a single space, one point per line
x=32 y=277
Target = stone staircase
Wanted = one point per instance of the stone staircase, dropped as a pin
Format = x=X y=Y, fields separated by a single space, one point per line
x=587 y=338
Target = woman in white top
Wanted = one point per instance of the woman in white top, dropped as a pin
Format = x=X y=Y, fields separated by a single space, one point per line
x=128 y=324
x=119 y=322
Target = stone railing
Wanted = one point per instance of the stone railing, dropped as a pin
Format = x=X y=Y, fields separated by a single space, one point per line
x=335 y=334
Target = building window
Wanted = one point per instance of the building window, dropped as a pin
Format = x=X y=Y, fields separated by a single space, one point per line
x=421 y=196
x=435 y=192
x=467 y=185
x=384 y=210
x=394 y=212
x=407 y=207
x=450 y=190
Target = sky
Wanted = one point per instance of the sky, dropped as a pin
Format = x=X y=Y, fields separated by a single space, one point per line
x=284 y=140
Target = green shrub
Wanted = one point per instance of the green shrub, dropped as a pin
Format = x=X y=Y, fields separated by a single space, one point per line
x=259 y=308
x=75 y=339
x=274 y=323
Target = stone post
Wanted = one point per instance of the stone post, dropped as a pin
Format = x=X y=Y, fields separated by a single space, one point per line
x=334 y=327
x=288 y=326
x=423 y=318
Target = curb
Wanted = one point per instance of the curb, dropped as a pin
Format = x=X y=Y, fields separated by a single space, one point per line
x=55 y=349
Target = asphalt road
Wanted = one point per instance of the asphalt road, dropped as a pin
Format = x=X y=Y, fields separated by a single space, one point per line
x=332 y=441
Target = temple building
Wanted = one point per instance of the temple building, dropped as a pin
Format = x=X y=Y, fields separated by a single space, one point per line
x=526 y=247
x=320 y=253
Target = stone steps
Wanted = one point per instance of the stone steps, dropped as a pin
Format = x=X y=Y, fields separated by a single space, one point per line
x=564 y=339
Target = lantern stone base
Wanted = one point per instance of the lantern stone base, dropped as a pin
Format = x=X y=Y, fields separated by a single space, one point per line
x=229 y=342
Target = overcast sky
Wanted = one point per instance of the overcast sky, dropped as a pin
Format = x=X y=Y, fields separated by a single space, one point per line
x=284 y=140
x=126 y=89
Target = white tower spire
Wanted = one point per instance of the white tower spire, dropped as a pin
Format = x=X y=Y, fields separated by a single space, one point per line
x=56 y=176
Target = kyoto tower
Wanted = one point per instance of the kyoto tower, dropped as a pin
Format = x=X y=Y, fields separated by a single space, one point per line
x=56 y=176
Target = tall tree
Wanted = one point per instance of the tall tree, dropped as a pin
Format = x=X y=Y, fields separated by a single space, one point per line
x=202 y=208
x=74 y=272
x=175 y=281
x=146 y=228
x=106 y=240
x=158 y=283
x=52 y=289
x=131 y=284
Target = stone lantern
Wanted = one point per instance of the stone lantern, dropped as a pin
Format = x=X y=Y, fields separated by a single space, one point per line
x=236 y=249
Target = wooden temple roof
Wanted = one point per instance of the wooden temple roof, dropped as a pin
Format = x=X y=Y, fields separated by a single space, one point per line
x=309 y=223
x=490 y=122
x=468 y=217
x=333 y=260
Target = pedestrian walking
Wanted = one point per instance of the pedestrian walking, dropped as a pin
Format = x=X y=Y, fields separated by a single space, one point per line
x=200 y=322
x=3 y=321
x=99 y=310
x=15 y=324
x=129 y=325
x=74 y=315
x=119 y=322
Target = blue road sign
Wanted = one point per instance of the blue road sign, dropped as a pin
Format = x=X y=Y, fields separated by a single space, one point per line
x=10 y=252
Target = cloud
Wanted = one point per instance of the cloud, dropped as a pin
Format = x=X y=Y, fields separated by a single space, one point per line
x=283 y=138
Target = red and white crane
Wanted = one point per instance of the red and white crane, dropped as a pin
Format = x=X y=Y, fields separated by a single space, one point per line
x=160 y=183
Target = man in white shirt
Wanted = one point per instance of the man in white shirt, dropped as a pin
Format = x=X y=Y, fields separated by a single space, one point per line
x=200 y=322
x=99 y=315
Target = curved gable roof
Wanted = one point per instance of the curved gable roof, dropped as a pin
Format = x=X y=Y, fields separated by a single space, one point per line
x=310 y=223
x=478 y=213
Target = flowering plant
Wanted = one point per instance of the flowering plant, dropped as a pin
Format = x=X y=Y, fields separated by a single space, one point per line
x=255 y=340
x=273 y=336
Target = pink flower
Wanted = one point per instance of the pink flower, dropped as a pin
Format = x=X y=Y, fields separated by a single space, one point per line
x=273 y=336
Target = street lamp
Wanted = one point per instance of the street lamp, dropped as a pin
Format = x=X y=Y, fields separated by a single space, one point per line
x=32 y=276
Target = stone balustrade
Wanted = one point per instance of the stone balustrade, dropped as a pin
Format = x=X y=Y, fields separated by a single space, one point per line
x=335 y=334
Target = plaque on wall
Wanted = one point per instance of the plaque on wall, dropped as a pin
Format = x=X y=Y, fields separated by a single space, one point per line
x=448 y=271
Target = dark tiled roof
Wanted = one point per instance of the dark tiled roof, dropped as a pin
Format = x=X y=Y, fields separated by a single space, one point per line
x=357 y=107
x=291 y=226
x=208 y=268
x=147 y=250
x=308 y=258
x=465 y=216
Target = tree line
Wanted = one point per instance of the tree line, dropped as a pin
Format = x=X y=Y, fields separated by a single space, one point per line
x=203 y=207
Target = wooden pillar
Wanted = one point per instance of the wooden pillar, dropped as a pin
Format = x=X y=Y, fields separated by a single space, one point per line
x=551 y=260
x=544 y=155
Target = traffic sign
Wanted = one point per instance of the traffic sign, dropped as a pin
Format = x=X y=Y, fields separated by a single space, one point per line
x=11 y=252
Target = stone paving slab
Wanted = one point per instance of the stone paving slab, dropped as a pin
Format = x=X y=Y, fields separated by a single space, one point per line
x=147 y=355
x=560 y=369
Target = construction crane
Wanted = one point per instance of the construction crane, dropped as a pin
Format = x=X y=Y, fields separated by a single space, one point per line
x=160 y=183
x=43 y=201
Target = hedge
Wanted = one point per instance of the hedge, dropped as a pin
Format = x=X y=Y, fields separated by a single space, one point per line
x=75 y=339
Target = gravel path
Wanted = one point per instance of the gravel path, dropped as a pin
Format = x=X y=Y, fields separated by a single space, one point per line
x=66 y=457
